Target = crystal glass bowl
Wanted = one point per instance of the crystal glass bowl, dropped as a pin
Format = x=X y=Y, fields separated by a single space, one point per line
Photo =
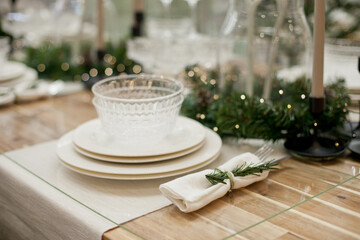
x=138 y=108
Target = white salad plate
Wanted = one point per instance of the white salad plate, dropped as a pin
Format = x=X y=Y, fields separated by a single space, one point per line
x=205 y=155
x=91 y=137
x=138 y=159
x=11 y=70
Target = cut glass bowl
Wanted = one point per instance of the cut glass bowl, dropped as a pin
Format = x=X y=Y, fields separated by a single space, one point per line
x=138 y=108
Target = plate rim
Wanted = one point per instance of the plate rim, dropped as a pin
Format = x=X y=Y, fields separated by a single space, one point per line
x=64 y=142
x=133 y=154
x=140 y=176
x=135 y=160
x=16 y=74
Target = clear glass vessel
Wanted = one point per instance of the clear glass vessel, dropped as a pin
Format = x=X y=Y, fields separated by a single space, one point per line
x=270 y=39
x=138 y=108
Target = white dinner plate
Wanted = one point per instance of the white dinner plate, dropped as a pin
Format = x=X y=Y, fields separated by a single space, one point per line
x=137 y=159
x=22 y=82
x=139 y=177
x=7 y=99
x=186 y=134
x=206 y=154
x=11 y=70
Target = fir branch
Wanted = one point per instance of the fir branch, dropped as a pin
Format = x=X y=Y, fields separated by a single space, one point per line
x=219 y=176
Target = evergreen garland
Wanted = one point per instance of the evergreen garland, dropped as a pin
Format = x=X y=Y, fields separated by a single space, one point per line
x=49 y=60
x=232 y=113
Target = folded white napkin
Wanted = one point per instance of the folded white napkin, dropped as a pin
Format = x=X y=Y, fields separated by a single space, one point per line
x=194 y=191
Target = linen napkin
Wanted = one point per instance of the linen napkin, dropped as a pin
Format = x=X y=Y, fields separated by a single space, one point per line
x=194 y=191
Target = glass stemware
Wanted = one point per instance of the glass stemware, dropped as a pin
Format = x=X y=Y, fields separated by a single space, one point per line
x=166 y=4
x=270 y=40
x=193 y=11
x=4 y=50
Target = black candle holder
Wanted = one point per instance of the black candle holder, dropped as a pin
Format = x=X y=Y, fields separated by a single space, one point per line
x=316 y=147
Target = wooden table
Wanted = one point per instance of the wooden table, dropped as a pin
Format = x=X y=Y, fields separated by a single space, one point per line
x=301 y=200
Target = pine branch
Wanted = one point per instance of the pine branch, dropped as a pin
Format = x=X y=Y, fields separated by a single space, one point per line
x=219 y=176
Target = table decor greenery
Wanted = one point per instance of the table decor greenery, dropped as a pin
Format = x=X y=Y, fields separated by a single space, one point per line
x=54 y=61
x=234 y=114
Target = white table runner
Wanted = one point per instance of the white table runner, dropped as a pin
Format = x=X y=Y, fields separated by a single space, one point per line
x=41 y=199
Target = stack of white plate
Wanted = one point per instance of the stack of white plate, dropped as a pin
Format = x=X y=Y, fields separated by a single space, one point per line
x=88 y=150
x=16 y=77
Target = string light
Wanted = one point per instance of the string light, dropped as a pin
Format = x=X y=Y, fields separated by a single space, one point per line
x=212 y=81
x=281 y=92
x=136 y=69
x=41 y=67
x=262 y=100
x=216 y=97
x=108 y=71
x=202 y=116
x=196 y=69
x=237 y=126
x=203 y=78
x=303 y=96
x=65 y=66
x=191 y=73
x=107 y=58
x=113 y=60
x=120 y=67
x=215 y=129
x=289 y=106
x=93 y=72
x=85 y=77
x=81 y=60
x=242 y=97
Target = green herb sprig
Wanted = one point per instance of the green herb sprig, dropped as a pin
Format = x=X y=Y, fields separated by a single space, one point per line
x=219 y=176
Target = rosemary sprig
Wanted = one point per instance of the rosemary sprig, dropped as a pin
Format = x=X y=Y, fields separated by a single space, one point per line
x=219 y=176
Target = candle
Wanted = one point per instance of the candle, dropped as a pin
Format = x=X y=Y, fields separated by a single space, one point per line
x=100 y=26
x=138 y=6
x=317 y=88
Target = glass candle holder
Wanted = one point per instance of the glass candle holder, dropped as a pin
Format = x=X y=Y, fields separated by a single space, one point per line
x=270 y=39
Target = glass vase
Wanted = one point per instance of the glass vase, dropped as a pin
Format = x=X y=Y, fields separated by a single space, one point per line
x=270 y=39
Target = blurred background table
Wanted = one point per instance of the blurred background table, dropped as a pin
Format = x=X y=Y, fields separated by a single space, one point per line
x=301 y=200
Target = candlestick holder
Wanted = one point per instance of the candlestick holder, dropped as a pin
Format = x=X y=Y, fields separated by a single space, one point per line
x=317 y=147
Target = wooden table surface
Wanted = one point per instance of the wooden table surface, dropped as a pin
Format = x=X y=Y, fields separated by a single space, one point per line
x=301 y=200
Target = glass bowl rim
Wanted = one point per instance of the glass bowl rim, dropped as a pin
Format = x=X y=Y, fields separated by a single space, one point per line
x=176 y=105
x=158 y=77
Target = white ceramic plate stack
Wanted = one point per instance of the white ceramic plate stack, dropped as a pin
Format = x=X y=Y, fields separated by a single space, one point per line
x=88 y=150
x=16 y=76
